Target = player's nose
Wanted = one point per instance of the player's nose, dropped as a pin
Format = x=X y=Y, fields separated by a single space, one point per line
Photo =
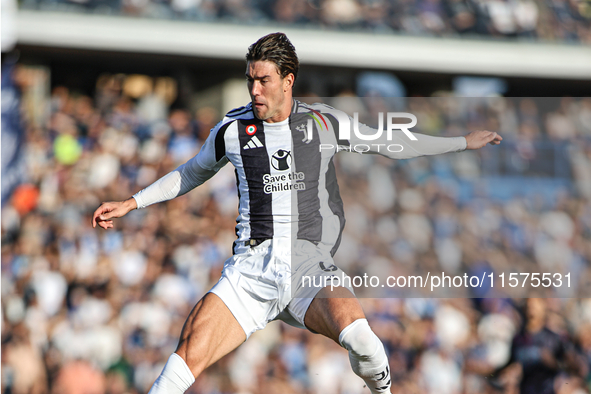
x=255 y=88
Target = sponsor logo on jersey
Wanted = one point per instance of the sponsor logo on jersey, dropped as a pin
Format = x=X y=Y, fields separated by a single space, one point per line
x=281 y=160
x=253 y=143
x=251 y=129
x=283 y=182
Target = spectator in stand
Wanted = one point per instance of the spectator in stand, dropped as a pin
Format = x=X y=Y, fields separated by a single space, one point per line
x=548 y=20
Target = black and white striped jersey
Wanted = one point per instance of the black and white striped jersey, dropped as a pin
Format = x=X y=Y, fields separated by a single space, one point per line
x=285 y=174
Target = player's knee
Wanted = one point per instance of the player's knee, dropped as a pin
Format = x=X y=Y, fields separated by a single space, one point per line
x=359 y=339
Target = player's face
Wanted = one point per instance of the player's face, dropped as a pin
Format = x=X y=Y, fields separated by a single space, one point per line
x=270 y=94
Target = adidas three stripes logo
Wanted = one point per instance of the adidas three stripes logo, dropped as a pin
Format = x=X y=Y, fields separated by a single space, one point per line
x=253 y=143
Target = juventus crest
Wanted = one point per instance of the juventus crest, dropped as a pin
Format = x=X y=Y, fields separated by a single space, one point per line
x=307 y=130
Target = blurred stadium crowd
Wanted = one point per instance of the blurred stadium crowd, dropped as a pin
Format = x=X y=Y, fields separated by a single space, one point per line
x=552 y=20
x=92 y=311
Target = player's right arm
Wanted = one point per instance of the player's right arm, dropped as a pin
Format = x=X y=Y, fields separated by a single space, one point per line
x=186 y=177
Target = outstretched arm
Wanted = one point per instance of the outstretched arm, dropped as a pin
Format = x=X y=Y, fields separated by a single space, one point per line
x=426 y=145
x=401 y=146
x=186 y=177
x=176 y=183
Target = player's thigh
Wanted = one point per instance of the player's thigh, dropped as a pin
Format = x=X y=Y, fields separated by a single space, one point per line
x=331 y=311
x=210 y=332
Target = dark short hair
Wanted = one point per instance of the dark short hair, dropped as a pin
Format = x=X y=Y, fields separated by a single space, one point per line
x=276 y=48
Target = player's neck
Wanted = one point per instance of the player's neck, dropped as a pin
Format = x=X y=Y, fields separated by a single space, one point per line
x=276 y=125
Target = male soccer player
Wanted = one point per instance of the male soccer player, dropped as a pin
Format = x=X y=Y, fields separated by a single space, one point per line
x=289 y=223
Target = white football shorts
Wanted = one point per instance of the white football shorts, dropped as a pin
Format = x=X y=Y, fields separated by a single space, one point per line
x=274 y=281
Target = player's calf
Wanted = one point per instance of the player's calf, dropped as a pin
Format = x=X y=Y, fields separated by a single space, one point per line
x=367 y=356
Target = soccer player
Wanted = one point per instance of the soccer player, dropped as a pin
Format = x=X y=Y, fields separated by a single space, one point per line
x=289 y=223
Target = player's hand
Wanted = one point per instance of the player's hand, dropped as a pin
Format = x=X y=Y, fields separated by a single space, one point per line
x=109 y=210
x=478 y=139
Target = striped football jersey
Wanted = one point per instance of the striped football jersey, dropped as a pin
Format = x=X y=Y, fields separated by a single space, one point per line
x=286 y=181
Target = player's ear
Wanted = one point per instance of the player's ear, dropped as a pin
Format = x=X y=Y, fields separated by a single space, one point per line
x=288 y=82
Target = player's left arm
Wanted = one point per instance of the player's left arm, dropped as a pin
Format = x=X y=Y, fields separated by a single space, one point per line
x=399 y=145
x=402 y=147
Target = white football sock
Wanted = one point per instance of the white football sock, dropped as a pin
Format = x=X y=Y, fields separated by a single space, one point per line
x=175 y=378
x=367 y=356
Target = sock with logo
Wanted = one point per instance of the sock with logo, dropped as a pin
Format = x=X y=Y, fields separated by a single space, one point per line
x=367 y=356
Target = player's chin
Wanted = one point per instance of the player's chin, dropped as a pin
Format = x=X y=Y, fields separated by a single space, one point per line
x=261 y=115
